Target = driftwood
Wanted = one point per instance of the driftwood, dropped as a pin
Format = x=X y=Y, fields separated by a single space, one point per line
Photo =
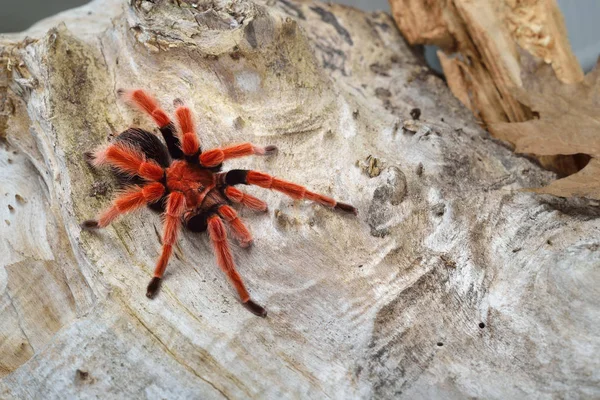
x=451 y=283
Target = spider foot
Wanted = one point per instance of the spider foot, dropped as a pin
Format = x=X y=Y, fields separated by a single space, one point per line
x=153 y=287
x=346 y=208
x=246 y=244
x=89 y=225
x=255 y=308
x=271 y=150
x=89 y=157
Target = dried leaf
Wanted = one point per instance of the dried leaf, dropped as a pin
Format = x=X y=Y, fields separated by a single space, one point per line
x=569 y=116
x=569 y=124
x=585 y=183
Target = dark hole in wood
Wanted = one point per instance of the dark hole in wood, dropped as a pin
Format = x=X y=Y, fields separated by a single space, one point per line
x=415 y=113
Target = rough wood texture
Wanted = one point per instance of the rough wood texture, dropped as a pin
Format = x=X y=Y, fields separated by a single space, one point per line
x=451 y=282
x=487 y=35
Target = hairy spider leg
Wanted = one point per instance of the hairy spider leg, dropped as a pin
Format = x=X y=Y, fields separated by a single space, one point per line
x=295 y=191
x=190 y=144
x=215 y=157
x=239 y=230
x=127 y=159
x=146 y=143
x=218 y=236
x=148 y=104
x=171 y=226
x=237 y=196
x=132 y=199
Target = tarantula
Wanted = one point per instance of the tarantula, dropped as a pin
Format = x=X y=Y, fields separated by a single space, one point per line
x=185 y=183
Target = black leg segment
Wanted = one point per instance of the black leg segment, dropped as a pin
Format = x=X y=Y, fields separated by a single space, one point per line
x=172 y=141
x=198 y=223
x=236 y=177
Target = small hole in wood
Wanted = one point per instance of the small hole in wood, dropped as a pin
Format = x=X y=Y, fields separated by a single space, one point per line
x=440 y=344
x=481 y=325
x=415 y=113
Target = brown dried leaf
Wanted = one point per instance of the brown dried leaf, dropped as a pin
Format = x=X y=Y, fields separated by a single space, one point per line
x=569 y=123
x=569 y=116
x=585 y=183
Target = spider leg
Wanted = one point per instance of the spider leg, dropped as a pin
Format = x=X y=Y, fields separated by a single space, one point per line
x=215 y=157
x=249 y=201
x=295 y=191
x=145 y=102
x=148 y=144
x=127 y=159
x=238 y=228
x=190 y=142
x=218 y=236
x=171 y=226
x=196 y=223
x=130 y=200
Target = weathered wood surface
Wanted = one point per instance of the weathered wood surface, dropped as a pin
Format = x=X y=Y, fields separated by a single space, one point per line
x=450 y=283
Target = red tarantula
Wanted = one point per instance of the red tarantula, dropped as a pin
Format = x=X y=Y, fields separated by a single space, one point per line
x=185 y=183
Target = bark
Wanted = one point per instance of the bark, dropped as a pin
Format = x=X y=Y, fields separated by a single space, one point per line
x=451 y=282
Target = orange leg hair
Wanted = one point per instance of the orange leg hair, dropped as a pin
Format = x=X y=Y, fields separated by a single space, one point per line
x=295 y=191
x=128 y=160
x=238 y=228
x=130 y=200
x=145 y=102
x=190 y=144
x=171 y=226
x=249 y=201
x=214 y=157
x=218 y=236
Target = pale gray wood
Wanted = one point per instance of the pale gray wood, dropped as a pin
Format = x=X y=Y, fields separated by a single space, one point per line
x=445 y=240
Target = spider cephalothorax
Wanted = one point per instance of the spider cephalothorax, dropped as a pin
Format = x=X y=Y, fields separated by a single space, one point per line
x=186 y=184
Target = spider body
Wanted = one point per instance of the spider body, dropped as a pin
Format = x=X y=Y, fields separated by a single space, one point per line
x=186 y=184
x=193 y=182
